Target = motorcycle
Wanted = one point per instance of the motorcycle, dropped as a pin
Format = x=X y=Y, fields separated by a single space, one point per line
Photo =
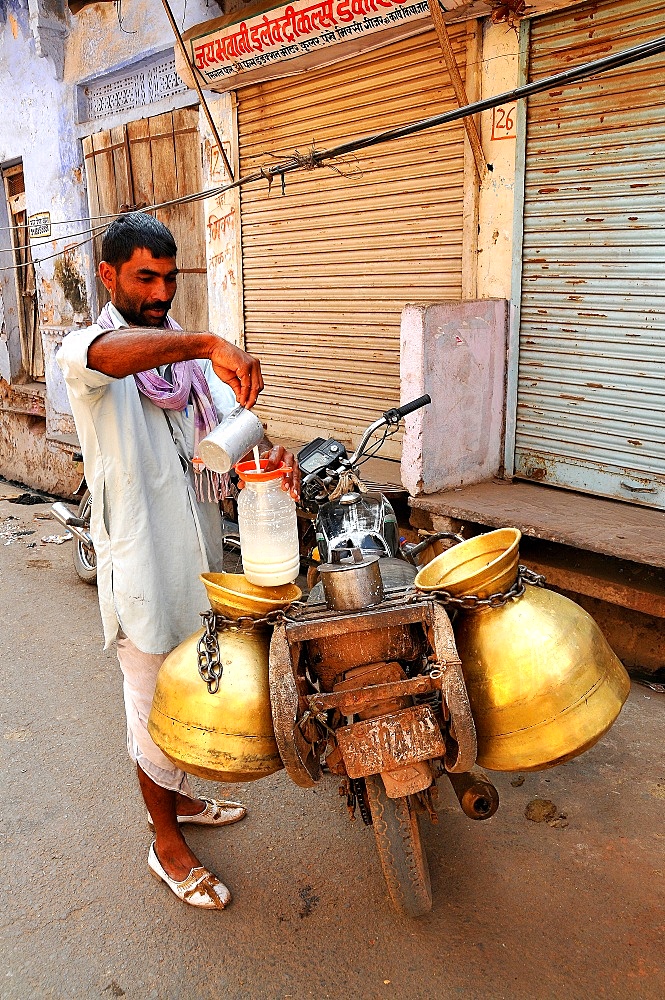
x=365 y=681
x=367 y=687
x=347 y=516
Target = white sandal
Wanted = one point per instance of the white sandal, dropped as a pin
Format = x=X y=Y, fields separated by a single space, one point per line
x=201 y=888
x=215 y=812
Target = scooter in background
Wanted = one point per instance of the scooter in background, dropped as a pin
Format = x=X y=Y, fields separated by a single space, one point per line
x=85 y=559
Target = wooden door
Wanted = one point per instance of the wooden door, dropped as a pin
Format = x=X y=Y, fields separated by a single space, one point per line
x=32 y=353
x=148 y=162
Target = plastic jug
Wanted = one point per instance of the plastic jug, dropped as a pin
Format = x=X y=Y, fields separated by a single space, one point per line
x=268 y=527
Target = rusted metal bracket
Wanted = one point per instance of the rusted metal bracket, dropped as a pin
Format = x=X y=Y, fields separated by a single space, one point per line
x=354 y=700
x=392 y=742
x=458 y=86
x=461 y=755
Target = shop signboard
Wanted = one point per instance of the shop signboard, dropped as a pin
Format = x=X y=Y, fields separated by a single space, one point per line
x=264 y=42
x=289 y=39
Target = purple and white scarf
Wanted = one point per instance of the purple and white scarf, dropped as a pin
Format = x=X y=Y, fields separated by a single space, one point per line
x=188 y=380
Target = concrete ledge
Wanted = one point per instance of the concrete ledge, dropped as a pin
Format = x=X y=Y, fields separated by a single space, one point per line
x=591 y=524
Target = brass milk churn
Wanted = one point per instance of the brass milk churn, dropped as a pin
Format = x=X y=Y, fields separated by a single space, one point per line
x=222 y=731
x=543 y=682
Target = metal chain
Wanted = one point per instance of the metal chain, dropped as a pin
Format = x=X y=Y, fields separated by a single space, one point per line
x=469 y=602
x=210 y=664
x=358 y=790
x=211 y=667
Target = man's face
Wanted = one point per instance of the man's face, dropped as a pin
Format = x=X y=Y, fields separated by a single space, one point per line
x=142 y=288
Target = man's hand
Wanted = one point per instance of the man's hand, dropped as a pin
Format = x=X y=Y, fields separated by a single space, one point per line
x=291 y=481
x=276 y=455
x=239 y=370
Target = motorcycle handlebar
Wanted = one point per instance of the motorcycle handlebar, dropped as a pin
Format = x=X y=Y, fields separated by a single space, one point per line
x=415 y=404
x=390 y=418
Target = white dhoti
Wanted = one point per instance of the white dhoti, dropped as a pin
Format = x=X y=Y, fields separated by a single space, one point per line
x=139 y=671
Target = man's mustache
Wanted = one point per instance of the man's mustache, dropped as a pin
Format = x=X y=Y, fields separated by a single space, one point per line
x=156 y=305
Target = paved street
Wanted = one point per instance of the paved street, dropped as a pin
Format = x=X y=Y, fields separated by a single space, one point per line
x=522 y=910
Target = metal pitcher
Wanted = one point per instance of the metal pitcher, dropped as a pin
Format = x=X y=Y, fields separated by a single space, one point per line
x=352 y=584
x=230 y=441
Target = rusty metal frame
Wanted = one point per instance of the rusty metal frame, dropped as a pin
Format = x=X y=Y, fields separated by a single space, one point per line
x=353 y=700
x=316 y=621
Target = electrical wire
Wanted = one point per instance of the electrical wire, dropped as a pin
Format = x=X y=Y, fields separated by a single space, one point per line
x=318 y=158
x=67 y=236
x=113 y=215
x=59 y=253
x=388 y=431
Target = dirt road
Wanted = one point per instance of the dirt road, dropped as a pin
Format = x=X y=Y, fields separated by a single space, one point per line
x=522 y=910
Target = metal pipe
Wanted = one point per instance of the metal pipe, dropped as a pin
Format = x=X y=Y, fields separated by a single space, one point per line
x=603 y=65
x=318 y=157
x=476 y=794
x=69 y=520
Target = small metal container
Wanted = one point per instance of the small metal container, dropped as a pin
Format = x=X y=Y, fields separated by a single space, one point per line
x=352 y=584
x=230 y=441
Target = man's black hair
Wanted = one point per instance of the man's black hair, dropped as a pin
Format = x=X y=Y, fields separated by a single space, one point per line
x=133 y=230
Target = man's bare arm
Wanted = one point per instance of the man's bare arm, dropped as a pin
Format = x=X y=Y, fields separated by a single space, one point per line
x=119 y=353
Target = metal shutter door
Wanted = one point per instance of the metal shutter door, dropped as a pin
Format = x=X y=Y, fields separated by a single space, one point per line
x=591 y=393
x=329 y=266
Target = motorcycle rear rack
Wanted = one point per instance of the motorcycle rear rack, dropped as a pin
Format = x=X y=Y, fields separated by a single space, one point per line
x=288 y=683
x=311 y=621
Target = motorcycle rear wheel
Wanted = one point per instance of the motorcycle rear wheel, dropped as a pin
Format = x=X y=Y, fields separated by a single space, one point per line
x=403 y=859
x=85 y=558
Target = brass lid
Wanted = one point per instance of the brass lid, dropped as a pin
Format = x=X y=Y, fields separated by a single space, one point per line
x=482 y=566
x=232 y=594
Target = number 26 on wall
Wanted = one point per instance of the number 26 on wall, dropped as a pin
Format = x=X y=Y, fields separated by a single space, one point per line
x=504 y=120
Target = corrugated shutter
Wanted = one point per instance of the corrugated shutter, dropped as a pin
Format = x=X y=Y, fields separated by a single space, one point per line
x=329 y=266
x=591 y=395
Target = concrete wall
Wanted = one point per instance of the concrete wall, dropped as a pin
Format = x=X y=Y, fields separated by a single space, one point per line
x=37 y=127
x=456 y=352
x=97 y=44
x=44 y=54
x=222 y=216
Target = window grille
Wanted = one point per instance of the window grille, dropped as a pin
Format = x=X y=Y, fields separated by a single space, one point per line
x=137 y=88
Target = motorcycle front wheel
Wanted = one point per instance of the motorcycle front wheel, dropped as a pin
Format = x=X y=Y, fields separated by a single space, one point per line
x=85 y=559
x=403 y=859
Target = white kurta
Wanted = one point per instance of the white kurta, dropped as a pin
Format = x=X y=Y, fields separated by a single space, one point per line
x=152 y=537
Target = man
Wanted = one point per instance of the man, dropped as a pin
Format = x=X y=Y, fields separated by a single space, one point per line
x=141 y=402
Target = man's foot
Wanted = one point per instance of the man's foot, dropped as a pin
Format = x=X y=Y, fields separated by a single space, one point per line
x=207 y=812
x=198 y=888
x=188 y=807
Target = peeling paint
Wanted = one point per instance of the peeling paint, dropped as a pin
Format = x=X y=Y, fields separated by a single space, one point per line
x=72 y=282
